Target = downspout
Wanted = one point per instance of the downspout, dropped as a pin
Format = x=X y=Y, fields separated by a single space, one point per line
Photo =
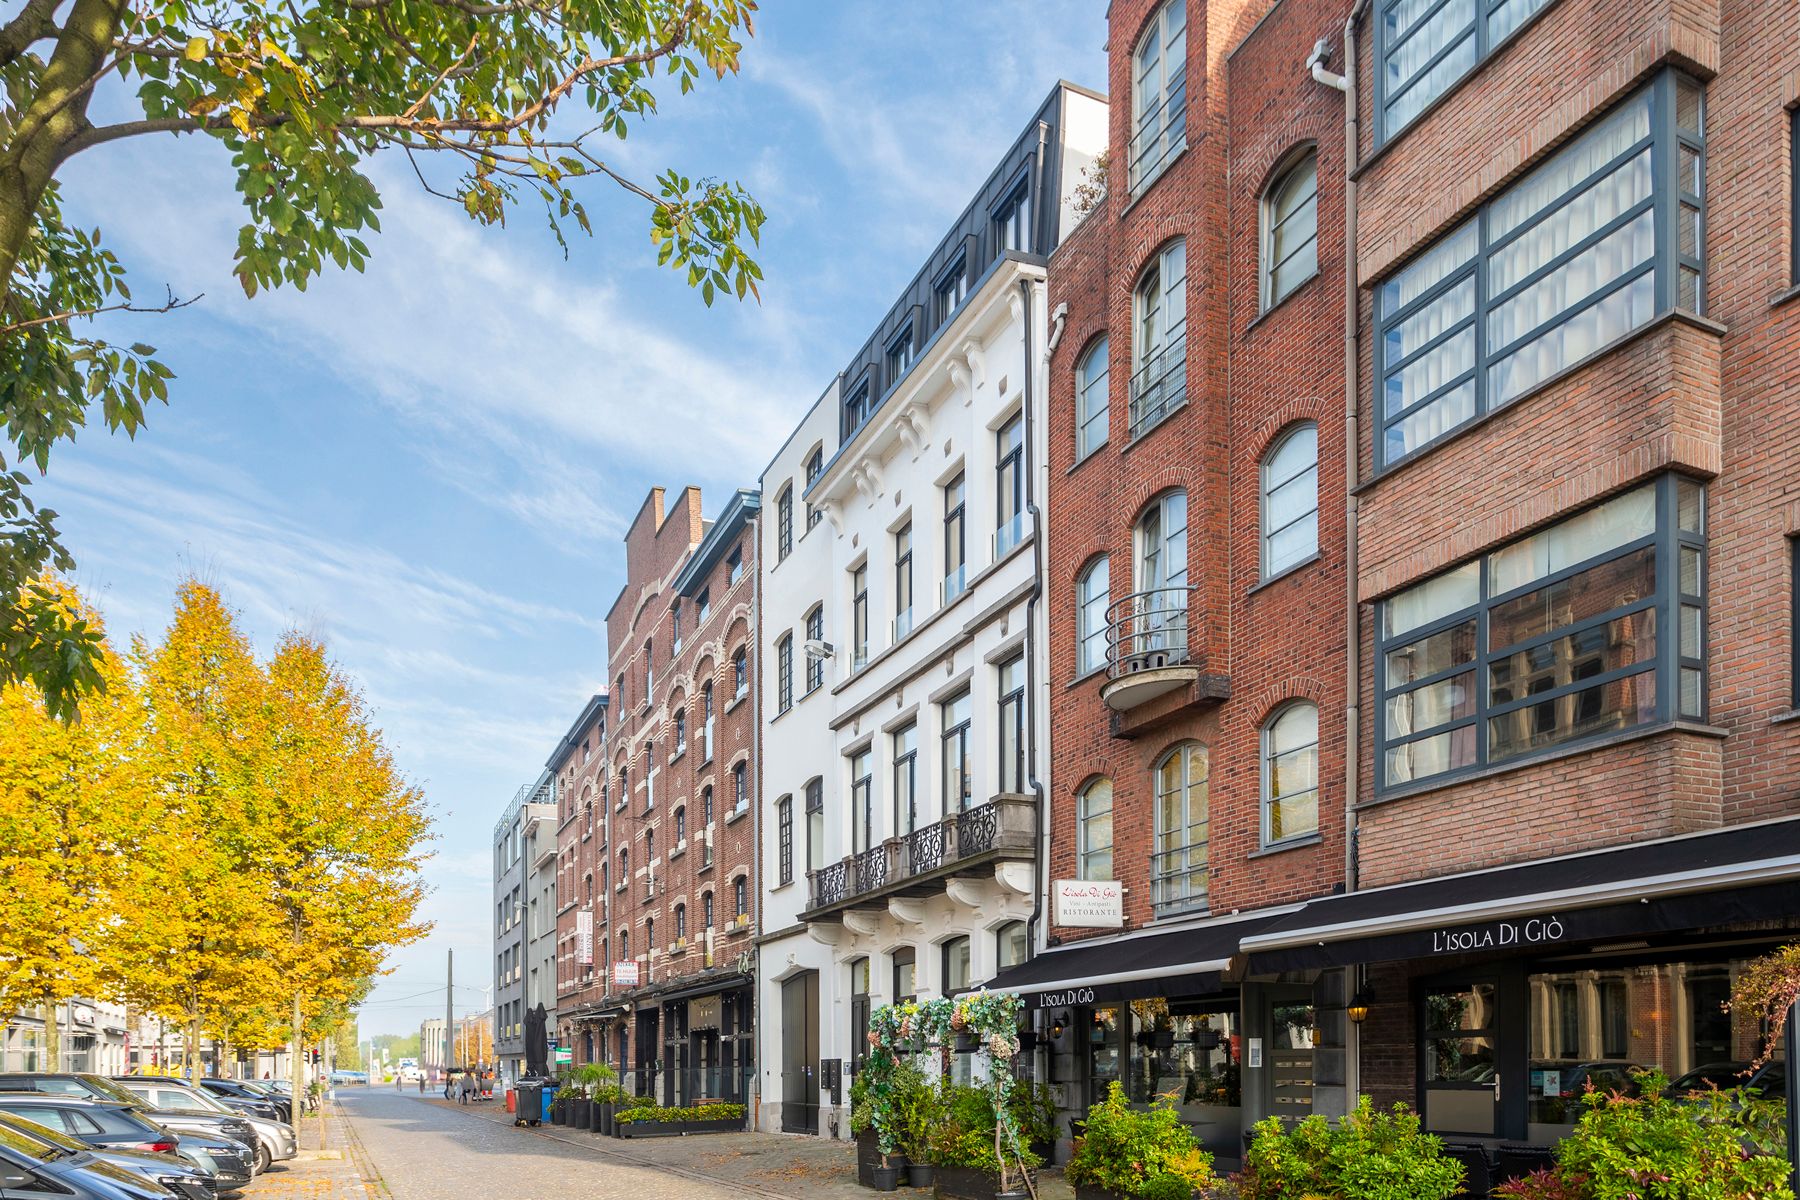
x=1031 y=609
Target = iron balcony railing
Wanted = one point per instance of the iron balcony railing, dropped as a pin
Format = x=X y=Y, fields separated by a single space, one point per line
x=1147 y=631
x=1007 y=823
x=1159 y=385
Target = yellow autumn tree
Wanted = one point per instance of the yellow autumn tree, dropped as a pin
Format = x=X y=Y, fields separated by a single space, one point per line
x=73 y=805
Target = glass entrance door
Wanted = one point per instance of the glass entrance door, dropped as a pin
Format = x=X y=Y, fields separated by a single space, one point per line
x=1460 y=1072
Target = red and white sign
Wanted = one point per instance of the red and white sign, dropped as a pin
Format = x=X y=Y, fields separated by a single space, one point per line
x=1089 y=903
x=584 y=937
x=625 y=973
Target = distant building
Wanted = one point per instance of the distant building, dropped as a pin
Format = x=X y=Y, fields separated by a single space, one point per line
x=515 y=906
x=431 y=1044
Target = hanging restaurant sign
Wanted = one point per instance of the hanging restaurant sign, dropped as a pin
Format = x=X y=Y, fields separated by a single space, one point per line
x=1089 y=903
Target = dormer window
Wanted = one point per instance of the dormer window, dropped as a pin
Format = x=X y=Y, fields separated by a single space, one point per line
x=1012 y=221
x=858 y=408
x=734 y=566
x=900 y=354
x=951 y=290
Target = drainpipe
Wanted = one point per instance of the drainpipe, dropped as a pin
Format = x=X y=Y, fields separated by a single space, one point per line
x=1346 y=84
x=1039 y=860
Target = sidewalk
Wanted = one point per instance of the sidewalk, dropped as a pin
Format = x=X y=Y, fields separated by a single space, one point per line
x=338 y=1172
x=774 y=1164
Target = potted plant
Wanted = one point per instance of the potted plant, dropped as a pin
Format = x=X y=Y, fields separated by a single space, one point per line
x=1145 y=1154
x=916 y=1107
x=561 y=1104
x=962 y=1148
x=1365 y=1153
x=862 y=1130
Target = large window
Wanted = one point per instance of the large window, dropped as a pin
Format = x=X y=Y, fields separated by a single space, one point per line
x=784 y=673
x=1009 y=485
x=1577 y=254
x=1159 y=95
x=1589 y=627
x=955 y=977
x=903 y=581
x=784 y=839
x=1290 y=501
x=1093 y=595
x=815 y=632
x=862 y=801
x=956 y=550
x=815 y=825
x=1155 y=623
x=1290 y=230
x=904 y=962
x=1159 y=347
x=1290 y=774
x=1091 y=400
x=906 y=779
x=815 y=466
x=859 y=616
x=954 y=713
x=784 y=523
x=1094 y=843
x=1423 y=47
x=1010 y=945
x=1012 y=725
x=1178 y=866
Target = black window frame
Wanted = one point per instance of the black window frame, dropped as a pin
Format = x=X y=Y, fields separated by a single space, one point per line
x=902 y=349
x=956 y=535
x=784 y=840
x=815 y=466
x=784 y=523
x=858 y=407
x=908 y=957
x=1794 y=620
x=1668 y=600
x=957 y=734
x=784 y=673
x=740 y=896
x=1486 y=45
x=1664 y=143
x=815 y=632
x=906 y=777
x=950 y=290
x=1010 y=714
x=862 y=796
x=1014 y=220
x=859 y=616
x=815 y=823
x=946 y=952
x=903 y=579
x=740 y=674
x=734 y=565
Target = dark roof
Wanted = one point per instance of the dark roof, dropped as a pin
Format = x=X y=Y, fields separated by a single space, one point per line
x=589 y=712
x=743 y=505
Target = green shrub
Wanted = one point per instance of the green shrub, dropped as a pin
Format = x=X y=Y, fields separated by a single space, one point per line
x=1033 y=1109
x=702 y=1112
x=862 y=1115
x=1367 y=1155
x=965 y=1133
x=918 y=1108
x=1146 y=1153
x=1716 y=1145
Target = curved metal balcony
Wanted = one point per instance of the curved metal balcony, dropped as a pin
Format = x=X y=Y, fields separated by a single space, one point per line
x=1147 y=647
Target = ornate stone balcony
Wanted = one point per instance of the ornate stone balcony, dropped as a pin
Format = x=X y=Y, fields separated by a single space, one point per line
x=924 y=862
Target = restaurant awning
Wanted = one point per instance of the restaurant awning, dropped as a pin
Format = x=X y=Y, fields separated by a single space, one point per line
x=1188 y=961
x=1721 y=877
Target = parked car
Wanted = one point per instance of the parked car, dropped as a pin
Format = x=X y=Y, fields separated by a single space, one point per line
x=181 y=1178
x=275 y=1141
x=250 y=1105
x=104 y=1125
x=274 y=1106
x=30 y=1166
x=213 y=1119
x=1770 y=1079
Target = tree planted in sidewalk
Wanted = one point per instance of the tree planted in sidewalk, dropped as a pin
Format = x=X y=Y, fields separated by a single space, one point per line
x=491 y=103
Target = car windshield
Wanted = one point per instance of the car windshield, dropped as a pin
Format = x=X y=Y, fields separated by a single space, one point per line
x=30 y=1128
x=28 y=1145
x=112 y=1091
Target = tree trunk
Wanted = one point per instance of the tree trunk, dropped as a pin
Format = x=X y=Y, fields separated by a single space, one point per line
x=193 y=1047
x=28 y=162
x=53 y=1036
x=297 y=1064
x=324 y=1084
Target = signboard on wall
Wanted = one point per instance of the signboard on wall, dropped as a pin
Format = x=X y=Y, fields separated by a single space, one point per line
x=584 y=937
x=1088 y=903
x=625 y=973
x=703 y=1012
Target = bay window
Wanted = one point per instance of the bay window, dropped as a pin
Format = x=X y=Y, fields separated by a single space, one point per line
x=1592 y=626
x=1574 y=256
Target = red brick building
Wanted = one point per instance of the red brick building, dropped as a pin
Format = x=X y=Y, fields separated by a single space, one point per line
x=578 y=770
x=1196 y=579
x=1578 y=384
x=671 y=849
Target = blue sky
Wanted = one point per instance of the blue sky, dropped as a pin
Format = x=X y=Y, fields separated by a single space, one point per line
x=430 y=465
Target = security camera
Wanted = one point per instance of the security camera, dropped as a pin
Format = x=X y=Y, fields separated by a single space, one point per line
x=814 y=648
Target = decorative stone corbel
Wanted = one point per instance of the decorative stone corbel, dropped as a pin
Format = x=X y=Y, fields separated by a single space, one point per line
x=1015 y=877
x=908 y=911
x=826 y=933
x=966 y=892
x=862 y=924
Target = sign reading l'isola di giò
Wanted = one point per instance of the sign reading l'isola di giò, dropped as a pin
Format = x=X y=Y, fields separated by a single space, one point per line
x=1497 y=935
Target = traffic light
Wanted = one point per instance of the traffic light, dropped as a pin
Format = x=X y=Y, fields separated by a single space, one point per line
x=312 y=1056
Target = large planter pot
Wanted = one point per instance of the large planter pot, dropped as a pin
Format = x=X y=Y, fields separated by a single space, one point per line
x=968 y=1183
x=643 y=1129
x=605 y=1111
x=919 y=1175
x=559 y=1112
x=868 y=1157
x=580 y=1113
x=885 y=1179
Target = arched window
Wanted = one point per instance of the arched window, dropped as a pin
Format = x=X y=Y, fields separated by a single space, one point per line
x=650 y=935
x=784 y=839
x=1091 y=411
x=624 y=944
x=1290 y=500
x=1290 y=229
x=1094 y=846
x=681 y=824
x=706 y=722
x=1290 y=774
x=1159 y=95
x=1093 y=593
x=784 y=523
x=1159 y=341
x=706 y=908
x=1158 y=617
x=740 y=789
x=740 y=896
x=740 y=675
x=784 y=673
x=1178 y=865
x=706 y=804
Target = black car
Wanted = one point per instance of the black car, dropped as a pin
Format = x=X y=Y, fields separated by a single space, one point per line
x=186 y=1181
x=1769 y=1080
x=31 y=1167
x=106 y=1126
x=98 y=1087
x=234 y=1091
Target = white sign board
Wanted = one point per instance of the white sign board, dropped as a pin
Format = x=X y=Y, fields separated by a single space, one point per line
x=584 y=937
x=625 y=973
x=1089 y=903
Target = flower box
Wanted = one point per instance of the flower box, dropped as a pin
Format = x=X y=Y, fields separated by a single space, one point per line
x=642 y=1129
x=971 y=1183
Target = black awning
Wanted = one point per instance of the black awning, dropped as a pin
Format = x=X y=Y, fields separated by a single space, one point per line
x=1180 y=962
x=1698 y=881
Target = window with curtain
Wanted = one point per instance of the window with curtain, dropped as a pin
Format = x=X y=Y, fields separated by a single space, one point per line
x=1290 y=500
x=1159 y=344
x=1290 y=225
x=1290 y=774
x=1178 y=875
x=1159 y=95
x=1422 y=48
x=1593 y=625
x=1093 y=595
x=1094 y=821
x=1574 y=256
x=1091 y=400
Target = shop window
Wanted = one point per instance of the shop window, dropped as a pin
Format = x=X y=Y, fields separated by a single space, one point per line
x=1576 y=255
x=1106 y=1036
x=1422 y=49
x=1186 y=1052
x=1566 y=635
x=955 y=966
x=1458 y=1023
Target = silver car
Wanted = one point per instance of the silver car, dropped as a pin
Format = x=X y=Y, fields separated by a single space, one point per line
x=275 y=1140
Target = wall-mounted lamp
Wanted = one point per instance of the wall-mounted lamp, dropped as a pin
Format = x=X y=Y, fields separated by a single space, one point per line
x=1358 y=1008
x=1058 y=1024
